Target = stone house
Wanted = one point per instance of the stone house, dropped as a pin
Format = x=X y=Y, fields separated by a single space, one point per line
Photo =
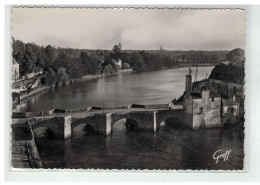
x=229 y=81
x=202 y=109
x=118 y=62
x=230 y=111
x=208 y=103
x=15 y=71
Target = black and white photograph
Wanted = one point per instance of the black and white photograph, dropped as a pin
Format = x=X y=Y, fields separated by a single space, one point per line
x=127 y=88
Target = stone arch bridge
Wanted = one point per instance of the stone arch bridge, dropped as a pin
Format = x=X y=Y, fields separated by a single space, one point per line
x=146 y=120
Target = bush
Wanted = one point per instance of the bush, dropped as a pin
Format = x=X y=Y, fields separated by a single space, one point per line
x=109 y=69
x=125 y=66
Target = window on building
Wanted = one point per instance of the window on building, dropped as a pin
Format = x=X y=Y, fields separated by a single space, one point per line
x=212 y=99
x=232 y=110
x=201 y=110
x=234 y=90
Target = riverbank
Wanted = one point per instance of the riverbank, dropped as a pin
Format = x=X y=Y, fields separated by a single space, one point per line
x=117 y=89
x=25 y=96
x=19 y=97
x=198 y=65
x=24 y=150
x=90 y=77
x=34 y=92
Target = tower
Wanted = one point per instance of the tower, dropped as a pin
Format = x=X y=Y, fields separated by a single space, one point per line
x=188 y=86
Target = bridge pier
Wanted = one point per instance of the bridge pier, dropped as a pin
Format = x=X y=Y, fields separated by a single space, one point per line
x=154 y=121
x=60 y=126
x=108 y=123
x=67 y=127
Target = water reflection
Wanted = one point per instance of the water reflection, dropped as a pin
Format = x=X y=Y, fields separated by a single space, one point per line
x=170 y=148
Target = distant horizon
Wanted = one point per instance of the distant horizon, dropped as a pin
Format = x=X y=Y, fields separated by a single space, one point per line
x=54 y=46
x=174 y=29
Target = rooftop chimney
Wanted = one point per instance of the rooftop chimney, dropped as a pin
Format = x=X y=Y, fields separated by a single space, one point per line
x=188 y=86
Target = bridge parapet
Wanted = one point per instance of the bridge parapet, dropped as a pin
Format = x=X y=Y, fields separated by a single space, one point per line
x=64 y=126
x=144 y=119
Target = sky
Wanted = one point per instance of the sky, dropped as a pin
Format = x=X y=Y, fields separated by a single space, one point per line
x=92 y=28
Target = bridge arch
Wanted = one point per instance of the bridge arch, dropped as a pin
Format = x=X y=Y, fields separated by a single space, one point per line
x=94 y=124
x=43 y=132
x=54 y=125
x=129 y=123
x=136 y=120
x=171 y=123
x=168 y=116
x=83 y=129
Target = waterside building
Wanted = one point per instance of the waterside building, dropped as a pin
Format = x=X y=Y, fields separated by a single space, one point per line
x=213 y=102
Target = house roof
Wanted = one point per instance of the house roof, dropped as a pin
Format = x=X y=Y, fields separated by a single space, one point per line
x=228 y=73
x=214 y=94
x=180 y=100
x=195 y=95
x=225 y=63
x=204 y=82
x=229 y=102
x=228 y=69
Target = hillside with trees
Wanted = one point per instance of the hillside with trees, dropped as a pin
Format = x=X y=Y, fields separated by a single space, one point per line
x=62 y=64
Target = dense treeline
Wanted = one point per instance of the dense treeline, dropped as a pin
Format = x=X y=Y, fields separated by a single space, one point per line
x=191 y=55
x=62 y=64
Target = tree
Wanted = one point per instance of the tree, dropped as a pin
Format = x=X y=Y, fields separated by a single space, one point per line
x=41 y=58
x=137 y=62
x=91 y=63
x=51 y=78
x=117 y=51
x=119 y=46
x=76 y=68
x=236 y=55
x=25 y=55
x=62 y=76
x=51 y=56
x=18 y=51
x=126 y=57
x=125 y=65
x=109 y=69
x=168 y=62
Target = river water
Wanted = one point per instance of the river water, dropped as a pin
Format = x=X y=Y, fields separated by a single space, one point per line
x=170 y=148
x=155 y=87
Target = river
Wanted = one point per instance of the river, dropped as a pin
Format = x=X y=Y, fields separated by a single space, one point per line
x=154 y=87
x=170 y=148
